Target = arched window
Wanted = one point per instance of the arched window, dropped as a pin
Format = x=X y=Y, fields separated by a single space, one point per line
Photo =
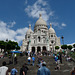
x=28 y=36
x=34 y=41
x=51 y=35
x=39 y=38
x=52 y=41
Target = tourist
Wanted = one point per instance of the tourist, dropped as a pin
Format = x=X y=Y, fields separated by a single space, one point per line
x=9 y=71
x=28 y=53
x=57 y=67
x=58 y=60
x=33 y=59
x=15 y=55
x=14 y=71
x=15 y=60
x=4 y=69
x=29 y=59
x=69 y=58
x=43 y=70
x=41 y=63
x=23 y=70
x=73 y=71
x=39 y=59
x=60 y=57
x=55 y=59
x=10 y=62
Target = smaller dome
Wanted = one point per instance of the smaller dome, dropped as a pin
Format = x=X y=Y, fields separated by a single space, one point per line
x=40 y=21
x=51 y=30
x=29 y=30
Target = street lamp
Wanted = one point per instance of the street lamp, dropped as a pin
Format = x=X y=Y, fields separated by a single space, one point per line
x=6 y=44
x=62 y=40
x=6 y=40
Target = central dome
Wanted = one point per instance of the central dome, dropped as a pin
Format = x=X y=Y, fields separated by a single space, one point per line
x=40 y=21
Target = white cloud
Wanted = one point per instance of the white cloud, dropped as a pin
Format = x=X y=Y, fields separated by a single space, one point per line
x=55 y=23
x=11 y=24
x=43 y=7
x=38 y=7
x=59 y=25
x=21 y=31
x=2 y=24
x=20 y=34
x=71 y=44
x=63 y=24
x=14 y=35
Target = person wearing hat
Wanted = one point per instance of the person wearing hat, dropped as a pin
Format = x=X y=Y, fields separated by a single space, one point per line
x=43 y=70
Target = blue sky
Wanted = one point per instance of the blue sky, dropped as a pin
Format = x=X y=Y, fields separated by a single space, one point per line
x=16 y=15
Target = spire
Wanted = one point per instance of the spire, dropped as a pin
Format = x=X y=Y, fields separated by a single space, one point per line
x=40 y=15
x=50 y=25
x=29 y=26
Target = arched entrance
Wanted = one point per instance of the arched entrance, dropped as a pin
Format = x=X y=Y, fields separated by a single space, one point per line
x=43 y=48
x=38 y=49
x=33 y=49
x=44 y=51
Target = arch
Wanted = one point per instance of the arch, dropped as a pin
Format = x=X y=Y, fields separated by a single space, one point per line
x=44 y=51
x=33 y=49
x=52 y=41
x=38 y=49
x=44 y=48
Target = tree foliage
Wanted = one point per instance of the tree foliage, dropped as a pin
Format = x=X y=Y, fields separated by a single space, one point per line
x=74 y=45
x=69 y=47
x=64 y=46
x=56 y=47
x=10 y=45
x=2 y=44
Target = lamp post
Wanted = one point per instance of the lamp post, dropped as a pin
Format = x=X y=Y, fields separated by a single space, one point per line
x=6 y=45
x=62 y=40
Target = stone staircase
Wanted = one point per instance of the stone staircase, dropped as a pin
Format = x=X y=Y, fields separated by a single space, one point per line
x=65 y=67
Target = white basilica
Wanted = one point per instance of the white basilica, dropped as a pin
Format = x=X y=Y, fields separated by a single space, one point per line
x=41 y=39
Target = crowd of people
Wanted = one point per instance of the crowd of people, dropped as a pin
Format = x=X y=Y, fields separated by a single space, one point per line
x=41 y=64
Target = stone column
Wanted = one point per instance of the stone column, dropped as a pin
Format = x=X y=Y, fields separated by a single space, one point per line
x=41 y=39
x=41 y=48
x=48 y=47
x=35 y=49
x=30 y=48
x=37 y=39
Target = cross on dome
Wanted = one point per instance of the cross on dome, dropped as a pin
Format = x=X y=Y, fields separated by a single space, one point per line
x=29 y=26
x=50 y=25
x=40 y=15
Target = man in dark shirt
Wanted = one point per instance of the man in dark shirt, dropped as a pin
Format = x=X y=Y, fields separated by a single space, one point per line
x=23 y=70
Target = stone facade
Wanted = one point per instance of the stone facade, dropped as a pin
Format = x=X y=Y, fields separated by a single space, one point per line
x=41 y=38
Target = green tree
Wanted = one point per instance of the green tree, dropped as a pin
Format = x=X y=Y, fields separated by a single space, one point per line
x=69 y=47
x=74 y=45
x=17 y=48
x=57 y=47
x=10 y=45
x=64 y=46
x=2 y=44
